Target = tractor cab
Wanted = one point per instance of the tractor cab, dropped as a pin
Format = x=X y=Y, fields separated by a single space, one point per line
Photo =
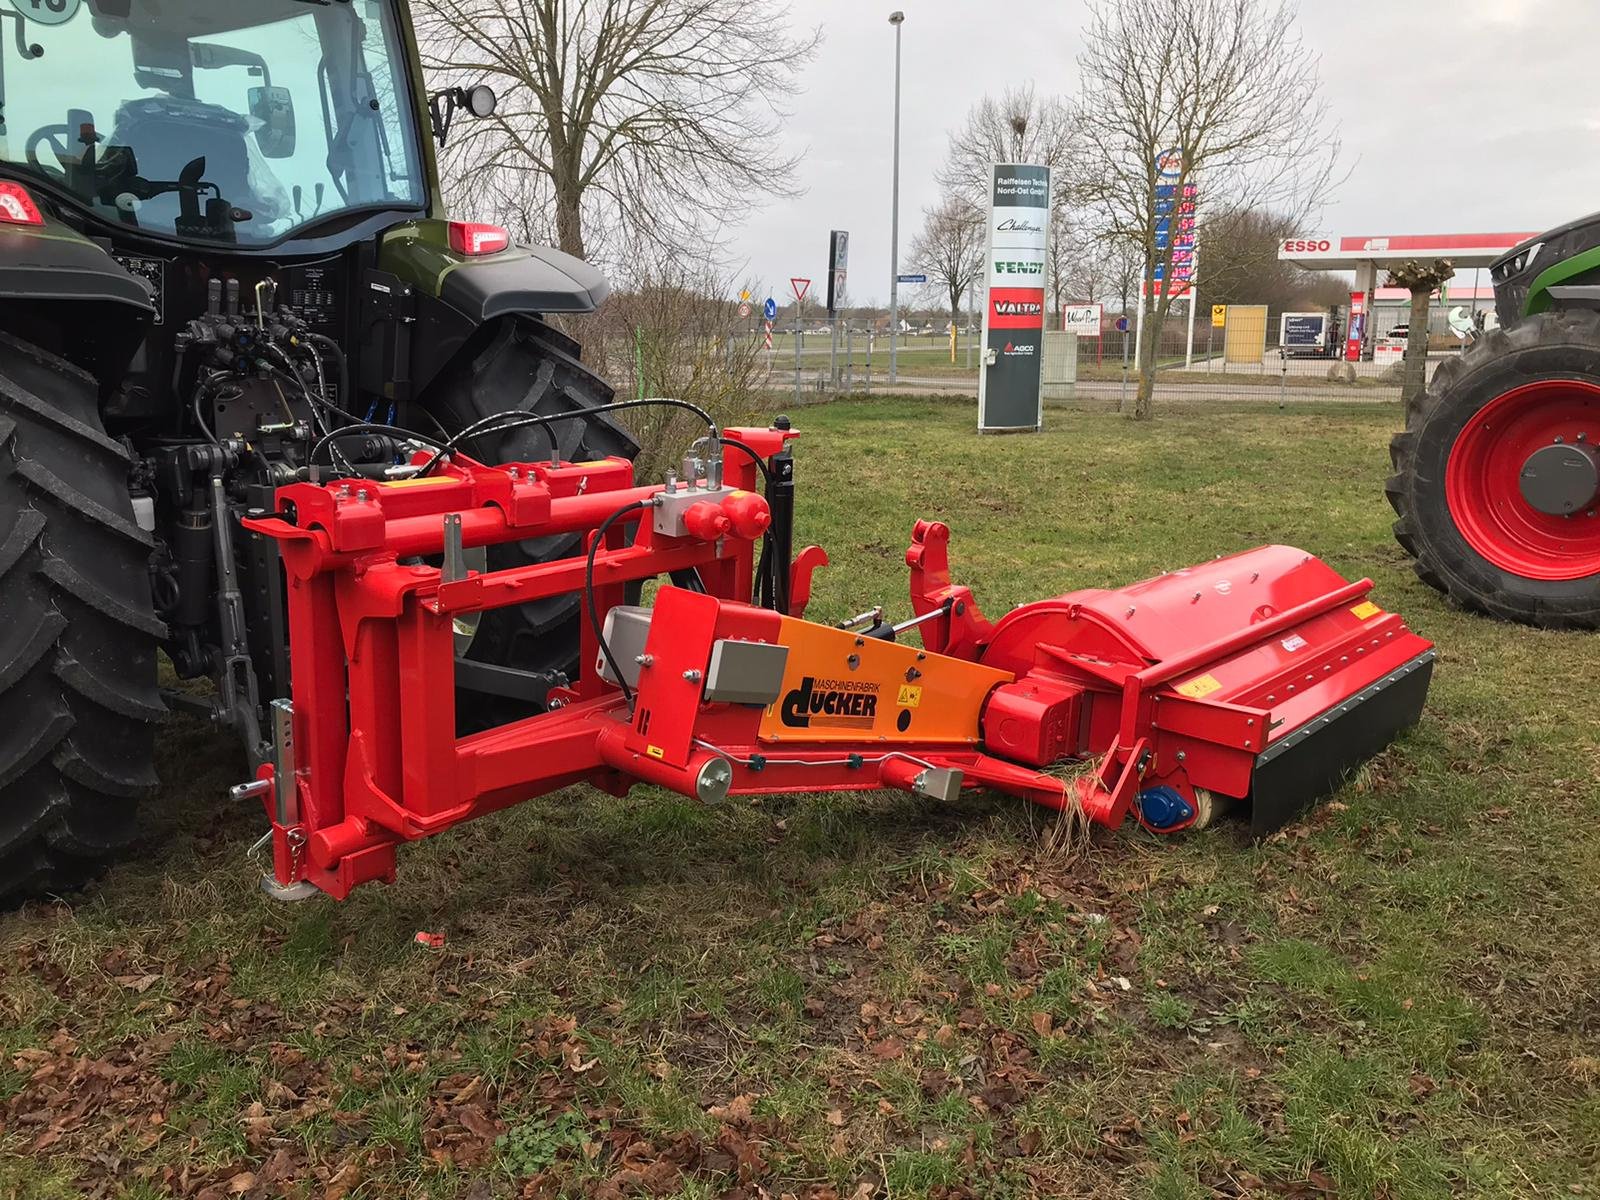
x=206 y=122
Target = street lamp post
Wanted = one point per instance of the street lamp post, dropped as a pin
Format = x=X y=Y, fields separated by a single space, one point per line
x=896 y=19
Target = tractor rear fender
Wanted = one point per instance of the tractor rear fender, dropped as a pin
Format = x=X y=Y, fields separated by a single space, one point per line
x=61 y=291
x=457 y=294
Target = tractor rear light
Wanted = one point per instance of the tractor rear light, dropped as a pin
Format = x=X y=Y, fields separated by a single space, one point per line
x=475 y=238
x=16 y=206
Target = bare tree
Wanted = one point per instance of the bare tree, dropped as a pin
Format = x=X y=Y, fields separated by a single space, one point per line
x=1242 y=266
x=1229 y=87
x=1421 y=279
x=652 y=120
x=950 y=248
x=1018 y=126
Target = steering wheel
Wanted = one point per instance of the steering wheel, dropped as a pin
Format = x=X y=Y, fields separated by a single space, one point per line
x=56 y=137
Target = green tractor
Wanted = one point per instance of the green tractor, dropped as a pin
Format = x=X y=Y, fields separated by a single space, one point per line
x=224 y=266
x=1497 y=474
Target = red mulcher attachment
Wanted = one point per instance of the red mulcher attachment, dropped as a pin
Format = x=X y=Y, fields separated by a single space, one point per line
x=1263 y=676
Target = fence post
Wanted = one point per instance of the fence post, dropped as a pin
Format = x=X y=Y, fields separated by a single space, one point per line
x=1283 y=379
x=849 y=356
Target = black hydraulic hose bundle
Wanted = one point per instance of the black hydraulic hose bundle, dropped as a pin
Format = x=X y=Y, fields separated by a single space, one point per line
x=504 y=422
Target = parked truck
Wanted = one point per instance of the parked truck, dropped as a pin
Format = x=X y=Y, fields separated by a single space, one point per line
x=1310 y=334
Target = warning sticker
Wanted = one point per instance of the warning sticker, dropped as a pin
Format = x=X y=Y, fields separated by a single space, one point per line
x=1366 y=609
x=1200 y=685
x=909 y=696
x=1293 y=643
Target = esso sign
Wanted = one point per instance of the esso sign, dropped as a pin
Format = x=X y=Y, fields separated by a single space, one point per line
x=1307 y=246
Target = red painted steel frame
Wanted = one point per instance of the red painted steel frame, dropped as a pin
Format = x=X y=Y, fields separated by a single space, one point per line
x=1179 y=682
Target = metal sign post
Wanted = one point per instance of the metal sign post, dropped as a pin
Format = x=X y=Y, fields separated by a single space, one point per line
x=799 y=286
x=1122 y=395
x=838 y=266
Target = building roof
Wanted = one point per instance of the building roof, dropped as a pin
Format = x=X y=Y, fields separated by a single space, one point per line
x=1332 y=252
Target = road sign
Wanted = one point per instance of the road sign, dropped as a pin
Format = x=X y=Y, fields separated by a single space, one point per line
x=744 y=294
x=770 y=309
x=838 y=264
x=1122 y=324
x=1219 y=316
x=744 y=310
x=769 y=332
x=799 y=286
x=913 y=279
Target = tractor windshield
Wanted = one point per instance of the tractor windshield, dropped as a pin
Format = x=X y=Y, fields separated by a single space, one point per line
x=216 y=121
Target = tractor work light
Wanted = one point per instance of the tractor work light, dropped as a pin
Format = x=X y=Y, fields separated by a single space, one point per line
x=16 y=206
x=475 y=238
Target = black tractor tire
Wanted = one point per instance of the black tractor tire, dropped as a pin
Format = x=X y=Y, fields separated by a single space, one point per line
x=79 y=699
x=524 y=365
x=1560 y=346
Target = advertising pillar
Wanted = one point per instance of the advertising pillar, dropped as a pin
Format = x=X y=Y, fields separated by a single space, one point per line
x=1009 y=392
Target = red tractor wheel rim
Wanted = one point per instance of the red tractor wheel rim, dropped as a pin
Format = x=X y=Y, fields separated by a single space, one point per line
x=1484 y=484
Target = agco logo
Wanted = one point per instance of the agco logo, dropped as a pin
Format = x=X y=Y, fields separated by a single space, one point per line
x=832 y=702
x=1019 y=268
x=1012 y=350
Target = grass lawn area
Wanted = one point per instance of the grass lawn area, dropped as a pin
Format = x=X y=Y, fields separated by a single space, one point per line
x=825 y=997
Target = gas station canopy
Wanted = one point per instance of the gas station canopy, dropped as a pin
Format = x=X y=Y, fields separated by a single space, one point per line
x=1333 y=253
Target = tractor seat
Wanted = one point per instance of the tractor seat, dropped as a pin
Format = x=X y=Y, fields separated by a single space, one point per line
x=166 y=134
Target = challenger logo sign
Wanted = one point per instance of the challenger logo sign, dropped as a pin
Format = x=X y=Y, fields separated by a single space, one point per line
x=830 y=703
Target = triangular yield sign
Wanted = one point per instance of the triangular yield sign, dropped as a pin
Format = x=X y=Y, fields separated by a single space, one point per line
x=799 y=286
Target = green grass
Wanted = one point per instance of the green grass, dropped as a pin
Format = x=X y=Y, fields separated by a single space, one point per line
x=1396 y=999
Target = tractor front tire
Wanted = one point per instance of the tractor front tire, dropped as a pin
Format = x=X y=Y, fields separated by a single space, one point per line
x=78 y=692
x=1492 y=475
x=523 y=365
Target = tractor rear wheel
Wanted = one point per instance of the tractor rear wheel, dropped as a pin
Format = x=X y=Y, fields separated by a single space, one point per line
x=526 y=366
x=1497 y=474
x=78 y=692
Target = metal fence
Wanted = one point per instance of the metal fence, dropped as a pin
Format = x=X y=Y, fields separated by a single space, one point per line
x=1241 y=361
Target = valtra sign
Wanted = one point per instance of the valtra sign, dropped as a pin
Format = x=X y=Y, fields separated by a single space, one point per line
x=1013 y=321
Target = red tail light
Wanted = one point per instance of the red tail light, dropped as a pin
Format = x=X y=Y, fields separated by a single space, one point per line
x=472 y=237
x=16 y=206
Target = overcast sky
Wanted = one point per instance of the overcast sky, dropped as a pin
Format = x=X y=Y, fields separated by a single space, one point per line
x=1511 y=142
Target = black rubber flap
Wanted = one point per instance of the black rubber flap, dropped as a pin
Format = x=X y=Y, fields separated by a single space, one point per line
x=1310 y=762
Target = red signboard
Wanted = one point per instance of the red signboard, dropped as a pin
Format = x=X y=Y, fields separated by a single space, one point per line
x=1016 y=308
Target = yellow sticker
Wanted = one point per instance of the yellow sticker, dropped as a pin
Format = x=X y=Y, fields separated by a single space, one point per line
x=909 y=696
x=655 y=751
x=1366 y=609
x=1200 y=685
x=419 y=481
